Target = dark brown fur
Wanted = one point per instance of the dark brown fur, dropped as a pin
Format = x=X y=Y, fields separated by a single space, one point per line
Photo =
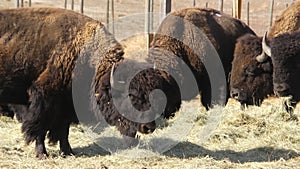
x=222 y=30
x=285 y=50
x=40 y=48
x=252 y=88
x=250 y=81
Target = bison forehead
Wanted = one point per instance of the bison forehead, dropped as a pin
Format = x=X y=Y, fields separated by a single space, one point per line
x=248 y=46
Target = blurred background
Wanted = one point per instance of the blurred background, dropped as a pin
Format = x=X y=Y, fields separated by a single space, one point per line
x=259 y=14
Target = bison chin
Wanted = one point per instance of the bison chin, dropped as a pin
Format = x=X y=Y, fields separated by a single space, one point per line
x=243 y=96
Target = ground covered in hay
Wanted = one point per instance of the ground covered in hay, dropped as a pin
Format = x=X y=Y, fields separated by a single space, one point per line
x=258 y=137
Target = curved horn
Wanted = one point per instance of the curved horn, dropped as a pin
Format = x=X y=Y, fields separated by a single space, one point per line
x=266 y=51
x=111 y=79
x=265 y=46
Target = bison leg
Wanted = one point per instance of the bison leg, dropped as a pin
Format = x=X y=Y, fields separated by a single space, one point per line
x=65 y=148
x=5 y=111
x=206 y=96
x=40 y=149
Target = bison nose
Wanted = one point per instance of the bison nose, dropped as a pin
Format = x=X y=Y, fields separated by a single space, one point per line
x=281 y=89
x=235 y=93
x=147 y=128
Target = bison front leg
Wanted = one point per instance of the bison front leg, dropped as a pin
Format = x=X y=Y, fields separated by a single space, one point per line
x=40 y=149
x=206 y=96
x=65 y=148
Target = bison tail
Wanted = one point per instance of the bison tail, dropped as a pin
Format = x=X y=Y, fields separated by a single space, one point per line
x=35 y=121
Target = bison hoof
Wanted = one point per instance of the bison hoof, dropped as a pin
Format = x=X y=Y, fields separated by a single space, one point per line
x=42 y=156
x=66 y=153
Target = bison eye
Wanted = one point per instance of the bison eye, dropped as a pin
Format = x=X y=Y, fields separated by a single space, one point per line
x=250 y=71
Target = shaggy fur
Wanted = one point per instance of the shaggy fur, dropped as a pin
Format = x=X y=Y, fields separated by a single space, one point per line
x=40 y=48
x=222 y=30
x=252 y=88
x=287 y=22
x=247 y=75
x=286 y=60
x=139 y=89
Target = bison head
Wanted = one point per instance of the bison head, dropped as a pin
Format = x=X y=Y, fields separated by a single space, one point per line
x=251 y=74
x=286 y=60
x=127 y=100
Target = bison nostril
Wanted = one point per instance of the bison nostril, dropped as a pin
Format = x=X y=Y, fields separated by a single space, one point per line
x=147 y=128
x=281 y=89
x=234 y=94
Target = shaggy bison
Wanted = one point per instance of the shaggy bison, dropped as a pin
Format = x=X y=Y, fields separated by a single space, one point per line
x=252 y=71
x=250 y=81
x=39 y=51
x=285 y=55
x=185 y=34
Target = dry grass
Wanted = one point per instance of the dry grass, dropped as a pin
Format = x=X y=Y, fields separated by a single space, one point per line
x=259 y=137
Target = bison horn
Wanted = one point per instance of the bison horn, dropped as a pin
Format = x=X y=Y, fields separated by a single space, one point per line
x=265 y=46
x=111 y=80
x=266 y=50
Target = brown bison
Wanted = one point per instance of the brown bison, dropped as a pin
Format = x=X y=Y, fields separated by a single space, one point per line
x=285 y=55
x=185 y=34
x=250 y=81
x=39 y=51
x=252 y=71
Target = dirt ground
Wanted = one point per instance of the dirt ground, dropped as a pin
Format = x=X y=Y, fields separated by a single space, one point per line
x=258 y=137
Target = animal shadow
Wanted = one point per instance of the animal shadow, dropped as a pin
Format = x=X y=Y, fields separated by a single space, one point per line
x=185 y=150
x=261 y=154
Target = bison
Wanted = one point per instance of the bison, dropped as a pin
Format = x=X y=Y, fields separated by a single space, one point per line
x=252 y=71
x=40 y=49
x=285 y=55
x=183 y=33
x=251 y=80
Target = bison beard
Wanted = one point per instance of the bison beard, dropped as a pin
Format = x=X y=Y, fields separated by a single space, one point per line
x=43 y=74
